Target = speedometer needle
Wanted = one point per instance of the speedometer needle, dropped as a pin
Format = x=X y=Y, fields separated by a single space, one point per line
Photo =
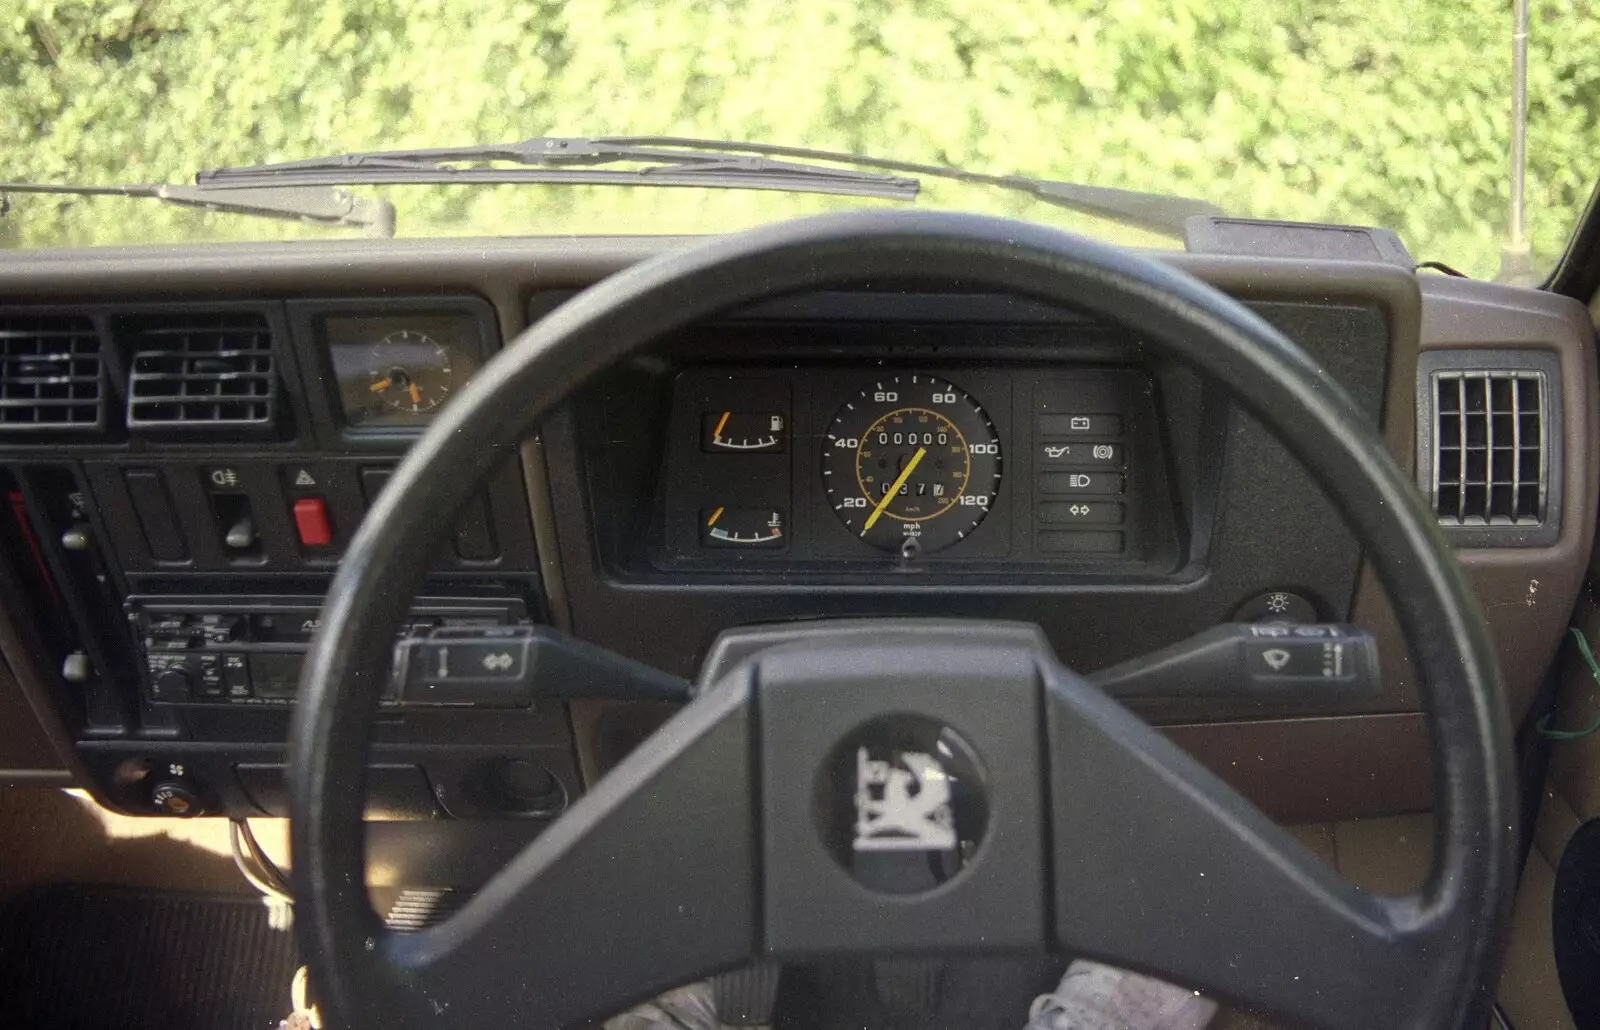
x=905 y=474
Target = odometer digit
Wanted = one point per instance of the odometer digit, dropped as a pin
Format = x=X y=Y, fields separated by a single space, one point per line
x=911 y=464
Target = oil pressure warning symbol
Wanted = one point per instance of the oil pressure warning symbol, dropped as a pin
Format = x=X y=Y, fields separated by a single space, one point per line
x=742 y=527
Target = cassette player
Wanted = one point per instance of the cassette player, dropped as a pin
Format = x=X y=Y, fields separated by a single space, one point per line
x=247 y=650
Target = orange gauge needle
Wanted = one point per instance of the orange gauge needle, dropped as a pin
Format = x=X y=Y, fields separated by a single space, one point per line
x=381 y=385
x=416 y=394
x=911 y=466
x=712 y=521
x=717 y=432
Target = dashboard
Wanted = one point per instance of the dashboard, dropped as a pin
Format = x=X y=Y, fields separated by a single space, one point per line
x=189 y=437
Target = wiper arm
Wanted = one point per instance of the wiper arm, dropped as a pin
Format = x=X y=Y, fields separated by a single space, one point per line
x=679 y=161
x=306 y=203
x=1160 y=213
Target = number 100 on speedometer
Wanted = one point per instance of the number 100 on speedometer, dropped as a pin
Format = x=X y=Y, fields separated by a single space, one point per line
x=911 y=463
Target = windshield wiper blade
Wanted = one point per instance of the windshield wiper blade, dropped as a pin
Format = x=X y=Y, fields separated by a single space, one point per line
x=559 y=161
x=325 y=205
x=681 y=161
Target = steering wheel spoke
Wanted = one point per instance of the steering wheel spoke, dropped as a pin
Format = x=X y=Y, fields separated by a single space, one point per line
x=1161 y=867
x=647 y=883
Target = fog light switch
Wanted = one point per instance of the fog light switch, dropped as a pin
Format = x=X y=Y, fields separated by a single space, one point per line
x=311 y=522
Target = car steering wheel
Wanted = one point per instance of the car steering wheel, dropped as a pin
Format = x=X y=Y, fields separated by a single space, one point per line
x=1005 y=804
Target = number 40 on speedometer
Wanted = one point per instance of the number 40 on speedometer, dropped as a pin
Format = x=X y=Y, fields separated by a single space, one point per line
x=911 y=464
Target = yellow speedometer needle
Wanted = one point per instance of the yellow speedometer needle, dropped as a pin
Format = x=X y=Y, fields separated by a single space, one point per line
x=905 y=474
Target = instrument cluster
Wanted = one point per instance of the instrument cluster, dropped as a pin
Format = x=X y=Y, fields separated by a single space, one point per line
x=910 y=467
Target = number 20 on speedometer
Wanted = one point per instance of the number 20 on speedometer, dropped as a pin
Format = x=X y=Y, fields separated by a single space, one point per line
x=911 y=464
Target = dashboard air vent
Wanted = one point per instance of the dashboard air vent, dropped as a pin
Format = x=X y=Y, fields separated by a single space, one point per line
x=1490 y=451
x=1490 y=430
x=50 y=374
x=200 y=371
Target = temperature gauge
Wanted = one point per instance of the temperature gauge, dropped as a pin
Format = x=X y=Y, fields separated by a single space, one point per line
x=742 y=527
x=744 y=432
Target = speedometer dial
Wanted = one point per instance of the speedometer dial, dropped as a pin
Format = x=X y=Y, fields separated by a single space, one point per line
x=911 y=464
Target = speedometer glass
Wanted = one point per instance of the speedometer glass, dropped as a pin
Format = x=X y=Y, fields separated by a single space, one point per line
x=911 y=464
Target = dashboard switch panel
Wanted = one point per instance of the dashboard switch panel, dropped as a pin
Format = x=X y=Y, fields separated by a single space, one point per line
x=247 y=651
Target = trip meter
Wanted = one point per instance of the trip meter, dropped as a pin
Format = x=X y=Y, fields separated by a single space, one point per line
x=911 y=464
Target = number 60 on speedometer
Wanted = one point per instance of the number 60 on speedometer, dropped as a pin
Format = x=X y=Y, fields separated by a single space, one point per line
x=911 y=464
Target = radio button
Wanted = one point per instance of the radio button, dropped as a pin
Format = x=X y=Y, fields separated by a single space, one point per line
x=221 y=629
x=210 y=666
x=170 y=685
x=236 y=675
x=275 y=675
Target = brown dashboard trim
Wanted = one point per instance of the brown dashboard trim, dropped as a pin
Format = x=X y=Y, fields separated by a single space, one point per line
x=1383 y=763
x=1319 y=770
x=1528 y=593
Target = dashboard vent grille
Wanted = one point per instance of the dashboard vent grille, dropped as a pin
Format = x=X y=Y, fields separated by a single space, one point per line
x=212 y=370
x=50 y=374
x=1491 y=464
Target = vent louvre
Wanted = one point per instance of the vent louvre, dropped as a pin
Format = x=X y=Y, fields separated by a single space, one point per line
x=50 y=374
x=212 y=370
x=1491 y=455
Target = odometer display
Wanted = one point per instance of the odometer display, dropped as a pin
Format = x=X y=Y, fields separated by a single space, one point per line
x=911 y=464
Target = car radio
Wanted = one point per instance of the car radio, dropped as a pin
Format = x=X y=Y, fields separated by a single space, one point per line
x=211 y=650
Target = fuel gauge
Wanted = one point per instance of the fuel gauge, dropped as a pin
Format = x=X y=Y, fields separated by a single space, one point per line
x=742 y=527
x=742 y=432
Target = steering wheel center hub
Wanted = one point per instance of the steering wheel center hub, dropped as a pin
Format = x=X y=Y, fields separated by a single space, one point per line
x=902 y=803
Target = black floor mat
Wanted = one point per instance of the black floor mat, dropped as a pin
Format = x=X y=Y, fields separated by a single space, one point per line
x=99 y=958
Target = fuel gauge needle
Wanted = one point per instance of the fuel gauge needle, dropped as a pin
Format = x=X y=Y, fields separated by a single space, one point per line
x=712 y=521
x=381 y=385
x=905 y=474
x=716 y=434
x=416 y=394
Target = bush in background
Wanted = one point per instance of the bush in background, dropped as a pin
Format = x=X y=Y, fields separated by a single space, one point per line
x=1394 y=114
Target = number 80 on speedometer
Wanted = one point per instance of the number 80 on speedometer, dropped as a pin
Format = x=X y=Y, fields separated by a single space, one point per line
x=911 y=463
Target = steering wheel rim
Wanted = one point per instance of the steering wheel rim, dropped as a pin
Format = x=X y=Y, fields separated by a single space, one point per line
x=1455 y=918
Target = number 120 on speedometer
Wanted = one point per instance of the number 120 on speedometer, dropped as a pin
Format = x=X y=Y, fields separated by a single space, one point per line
x=911 y=464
